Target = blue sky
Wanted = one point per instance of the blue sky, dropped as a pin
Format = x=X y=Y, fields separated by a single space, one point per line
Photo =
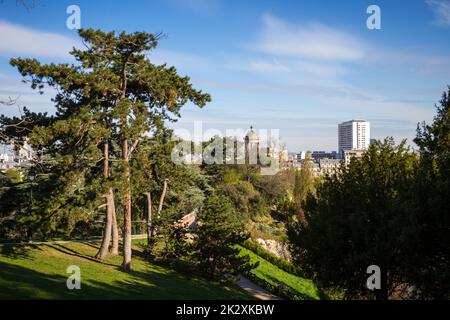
x=297 y=66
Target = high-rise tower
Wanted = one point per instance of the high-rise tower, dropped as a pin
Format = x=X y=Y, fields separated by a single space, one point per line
x=353 y=135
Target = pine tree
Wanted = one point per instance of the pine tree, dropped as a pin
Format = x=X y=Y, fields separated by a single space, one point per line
x=219 y=231
x=360 y=217
x=430 y=255
x=111 y=96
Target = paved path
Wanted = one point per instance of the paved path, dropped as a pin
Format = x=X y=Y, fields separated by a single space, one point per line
x=255 y=290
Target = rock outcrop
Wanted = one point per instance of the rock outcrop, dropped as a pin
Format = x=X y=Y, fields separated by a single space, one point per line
x=280 y=249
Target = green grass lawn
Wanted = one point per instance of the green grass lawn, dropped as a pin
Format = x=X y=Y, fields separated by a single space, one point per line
x=39 y=271
x=272 y=274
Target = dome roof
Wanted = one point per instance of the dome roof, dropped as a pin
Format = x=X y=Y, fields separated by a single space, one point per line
x=251 y=135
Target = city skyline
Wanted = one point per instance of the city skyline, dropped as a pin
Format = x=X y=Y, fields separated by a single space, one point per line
x=289 y=66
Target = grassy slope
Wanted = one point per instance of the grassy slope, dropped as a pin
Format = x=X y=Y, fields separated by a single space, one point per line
x=273 y=275
x=39 y=271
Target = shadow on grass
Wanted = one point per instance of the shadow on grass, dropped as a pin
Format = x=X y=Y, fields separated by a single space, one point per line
x=96 y=245
x=93 y=244
x=23 y=283
x=18 y=282
x=66 y=250
x=18 y=251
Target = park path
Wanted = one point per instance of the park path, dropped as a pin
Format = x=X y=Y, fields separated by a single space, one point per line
x=255 y=290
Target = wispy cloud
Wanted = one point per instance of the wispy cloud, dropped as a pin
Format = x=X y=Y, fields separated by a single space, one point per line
x=296 y=68
x=310 y=41
x=305 y=90
x=441 y=9
x=183 y=60
x=411 y=60
x=199 y=7
x=344 y=98
x=19 y=40
x=265 y=65
x=303 y=53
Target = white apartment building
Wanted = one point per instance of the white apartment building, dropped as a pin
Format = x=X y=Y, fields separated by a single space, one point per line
x=353 y=135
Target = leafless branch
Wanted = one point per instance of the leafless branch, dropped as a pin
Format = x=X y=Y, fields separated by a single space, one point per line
x=9 y=102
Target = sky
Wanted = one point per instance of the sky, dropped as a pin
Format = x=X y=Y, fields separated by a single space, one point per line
x=298 y=66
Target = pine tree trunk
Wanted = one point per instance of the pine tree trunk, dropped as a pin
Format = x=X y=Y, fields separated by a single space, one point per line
x=115 y=230
x=103 y=251
x=149 y=216
x=126 y=264
x=161 y=200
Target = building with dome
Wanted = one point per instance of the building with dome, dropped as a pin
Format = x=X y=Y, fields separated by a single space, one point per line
x=251 y=147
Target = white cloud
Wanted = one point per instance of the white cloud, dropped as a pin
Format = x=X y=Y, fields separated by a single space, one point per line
x=441 y=9
x=296 y=68
x=312 y=41
x=417 y=61
x=182 y=60
x=311 y=53
x=301 y=90
x=19 y=40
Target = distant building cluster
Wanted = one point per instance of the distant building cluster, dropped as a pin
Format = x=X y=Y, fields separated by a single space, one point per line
x=254 y=152
x=353 y=140
x=320 y=162
x=11 y=157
